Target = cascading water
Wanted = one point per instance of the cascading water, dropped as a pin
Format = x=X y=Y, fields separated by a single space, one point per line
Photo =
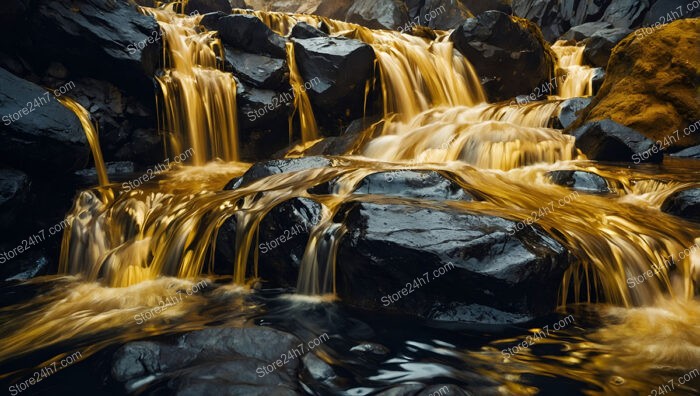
x=162 y=236
x=577 y=78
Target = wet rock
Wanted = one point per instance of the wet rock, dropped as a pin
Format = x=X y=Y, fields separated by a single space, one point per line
x=27 y=266
x=258 y=70
x=317 y=368
x=347 y=142
x=39 y=136
x=264 y=169
x=412 y=184
x=556 y=17
x=607 y=140
x=442 y=14
x=125 y=45
x=580 y=181
x=369 y=347
x=626 y=13
x=447 y=389
x=690 y=152
x=226 y=247
x=337 y=70
x=493 y=39
x=247 y=33
x=115 y=171
x=378 y=14
x=206 y=6
x=303 y=30
x=218 y=360
x=597 y=79
x=581 y=32
x=646 y=92
x=259 y=108
x=684 y=203
x=479 y=6
x=14 y=190
x=600 y=45
x=569 y=111
x=469 y=258
x=474 y=313
x=665 y=11
x=282 y=238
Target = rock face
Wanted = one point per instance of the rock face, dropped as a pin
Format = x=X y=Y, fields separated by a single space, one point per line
x=648 y=93
x=469 y=258
x=258 y=70
x=247 y=33
x=221 y=361
x=684 y=203
x=263 y=117
x=37 y=132
x=337 y=70
x=412 y=184
x=607 y=140
x=494 y=39
x=442 y=14
x=600 y=45
x=665 y=11
x=556 y=17
x=303 y=30
x=580 y=181
x=206 y=6
x=378 y=14
x=124 y=46
x=586 y=30
x=264 y=169
x=569 y=111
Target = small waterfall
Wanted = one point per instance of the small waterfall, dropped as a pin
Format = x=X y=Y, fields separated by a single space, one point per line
x=302 y=103
x=577 y=77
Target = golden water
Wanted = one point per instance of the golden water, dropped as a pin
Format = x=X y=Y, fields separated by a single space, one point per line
x=126 y=247
x=302 y=103
x=575 y=76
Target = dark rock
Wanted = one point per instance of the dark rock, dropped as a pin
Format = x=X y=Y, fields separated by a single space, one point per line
x=206 y=6
x=581 y=32
x=258 y=70
x=258 y=108
x=349 y=140
x=442 y=14
x=469 y=257
x=303 y=30
x=247 y=33
x=580 y=181
x=555 y=17
x=226 y=246
x=626 y=13
x=317 y=368
x=690 y=152
x=218 y=361
x=412 y=184
x=597 y=79
x=27 y=266
x=124 y=45
x=474 y=313
x=283 y=236
x=369 y=347
x=115 y=171
x=600 y=45
x=569 y=111
x=665 y=11
x=264 y=169
x=378 y=14
x=14 y=190
x=684 y=203
x=35 y=138
x=493 y=39
x=607 y=140
x=337 y=70
x=479 y=6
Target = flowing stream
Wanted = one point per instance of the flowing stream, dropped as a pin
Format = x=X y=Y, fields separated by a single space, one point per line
x=126 y=249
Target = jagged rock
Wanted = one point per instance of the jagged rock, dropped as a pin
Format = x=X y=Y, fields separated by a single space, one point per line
x=378 y=14
x=665 y=11
x=600 y=45
x=586 y=30
x=282 y=238
x=258 y=70
x=493 y=39
x=607 y=140
x=206 y=6
x=649 y=94
x=569 y=111
x=124 y=45
x=247 y=33
x=479 y=259
x=684 y=203
x=597 y=79
x=258 y=108
x=303 y=30
x=218 y=361
x=264 y=169
x=412 y=184
x=580 y=181
x=442 y=14
x=14 y=190
x=45 y=135
x=555 y=17
x=626 y=13
x=337 y=70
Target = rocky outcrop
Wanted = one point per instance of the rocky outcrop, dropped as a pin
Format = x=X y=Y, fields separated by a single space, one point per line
x=264 y=169
x=582 y=181
x=651 y=85
x=37 y=132
x=586 y=30
x=607 y=140
x=684 y=203
x=441 y=14
x=222 y=361
x=416 y=184
x=494 y=39
x=260 y=71
x=600 y=45
x=414 y=259
x=246 y=33
x=303 y=30
x=263 y=120
x=556 y=17
x=569 y=111
x=337 y=70
x=378 y=14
